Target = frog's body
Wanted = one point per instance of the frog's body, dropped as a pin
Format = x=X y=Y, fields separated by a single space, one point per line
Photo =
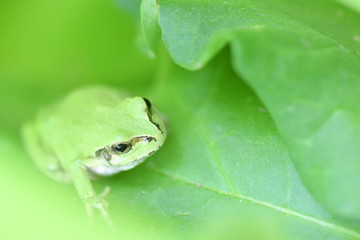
x=94 y=130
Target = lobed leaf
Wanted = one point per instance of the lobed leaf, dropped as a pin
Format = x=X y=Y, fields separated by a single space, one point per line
x=223 y=154
x=302 y=60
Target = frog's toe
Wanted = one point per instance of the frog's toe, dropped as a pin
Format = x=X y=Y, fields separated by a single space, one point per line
x=101 y=204
x=105 y=192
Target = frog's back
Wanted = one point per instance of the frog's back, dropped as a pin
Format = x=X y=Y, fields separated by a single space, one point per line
x=85 y=100
x=76 y=120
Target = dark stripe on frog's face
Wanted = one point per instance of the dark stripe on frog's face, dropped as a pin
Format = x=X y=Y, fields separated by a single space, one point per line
x=150 y=153
x=138 y=139
x=148 y=104
x=108 y=152
x=148 y=111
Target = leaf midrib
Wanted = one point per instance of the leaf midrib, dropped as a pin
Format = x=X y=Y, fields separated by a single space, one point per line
x=325 y=224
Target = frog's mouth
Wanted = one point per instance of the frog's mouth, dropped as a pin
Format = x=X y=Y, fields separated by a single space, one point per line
x=119 y=149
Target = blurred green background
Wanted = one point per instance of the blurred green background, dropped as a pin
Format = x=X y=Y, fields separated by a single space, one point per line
x=47 y=48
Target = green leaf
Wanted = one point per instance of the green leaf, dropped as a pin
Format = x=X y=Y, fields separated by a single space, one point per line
x=302 y=60
x=150 y=26
x=223 y=154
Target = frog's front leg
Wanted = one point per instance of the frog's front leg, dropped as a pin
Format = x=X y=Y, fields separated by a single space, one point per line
x=86 y=191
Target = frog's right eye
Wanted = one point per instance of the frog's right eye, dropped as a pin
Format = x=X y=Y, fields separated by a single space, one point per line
x=121 y=148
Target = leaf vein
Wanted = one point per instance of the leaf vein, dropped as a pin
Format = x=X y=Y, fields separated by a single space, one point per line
x=217 y=159
x=287 y=211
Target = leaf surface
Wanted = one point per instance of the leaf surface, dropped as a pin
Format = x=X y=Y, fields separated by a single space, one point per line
x=223 y=154
x=302 y=60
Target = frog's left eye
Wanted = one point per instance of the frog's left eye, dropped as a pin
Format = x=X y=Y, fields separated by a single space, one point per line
x=121 y=148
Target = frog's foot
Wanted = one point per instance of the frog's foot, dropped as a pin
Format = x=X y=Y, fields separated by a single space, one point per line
x=99 y=203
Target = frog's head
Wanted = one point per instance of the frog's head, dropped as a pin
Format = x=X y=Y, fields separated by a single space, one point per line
x=143 y=134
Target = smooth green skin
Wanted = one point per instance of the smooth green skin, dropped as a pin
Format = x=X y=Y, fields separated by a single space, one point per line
x=64 y=138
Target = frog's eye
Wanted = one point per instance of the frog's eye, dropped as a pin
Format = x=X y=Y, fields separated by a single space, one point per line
x=148 y=103
x=121 y=148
